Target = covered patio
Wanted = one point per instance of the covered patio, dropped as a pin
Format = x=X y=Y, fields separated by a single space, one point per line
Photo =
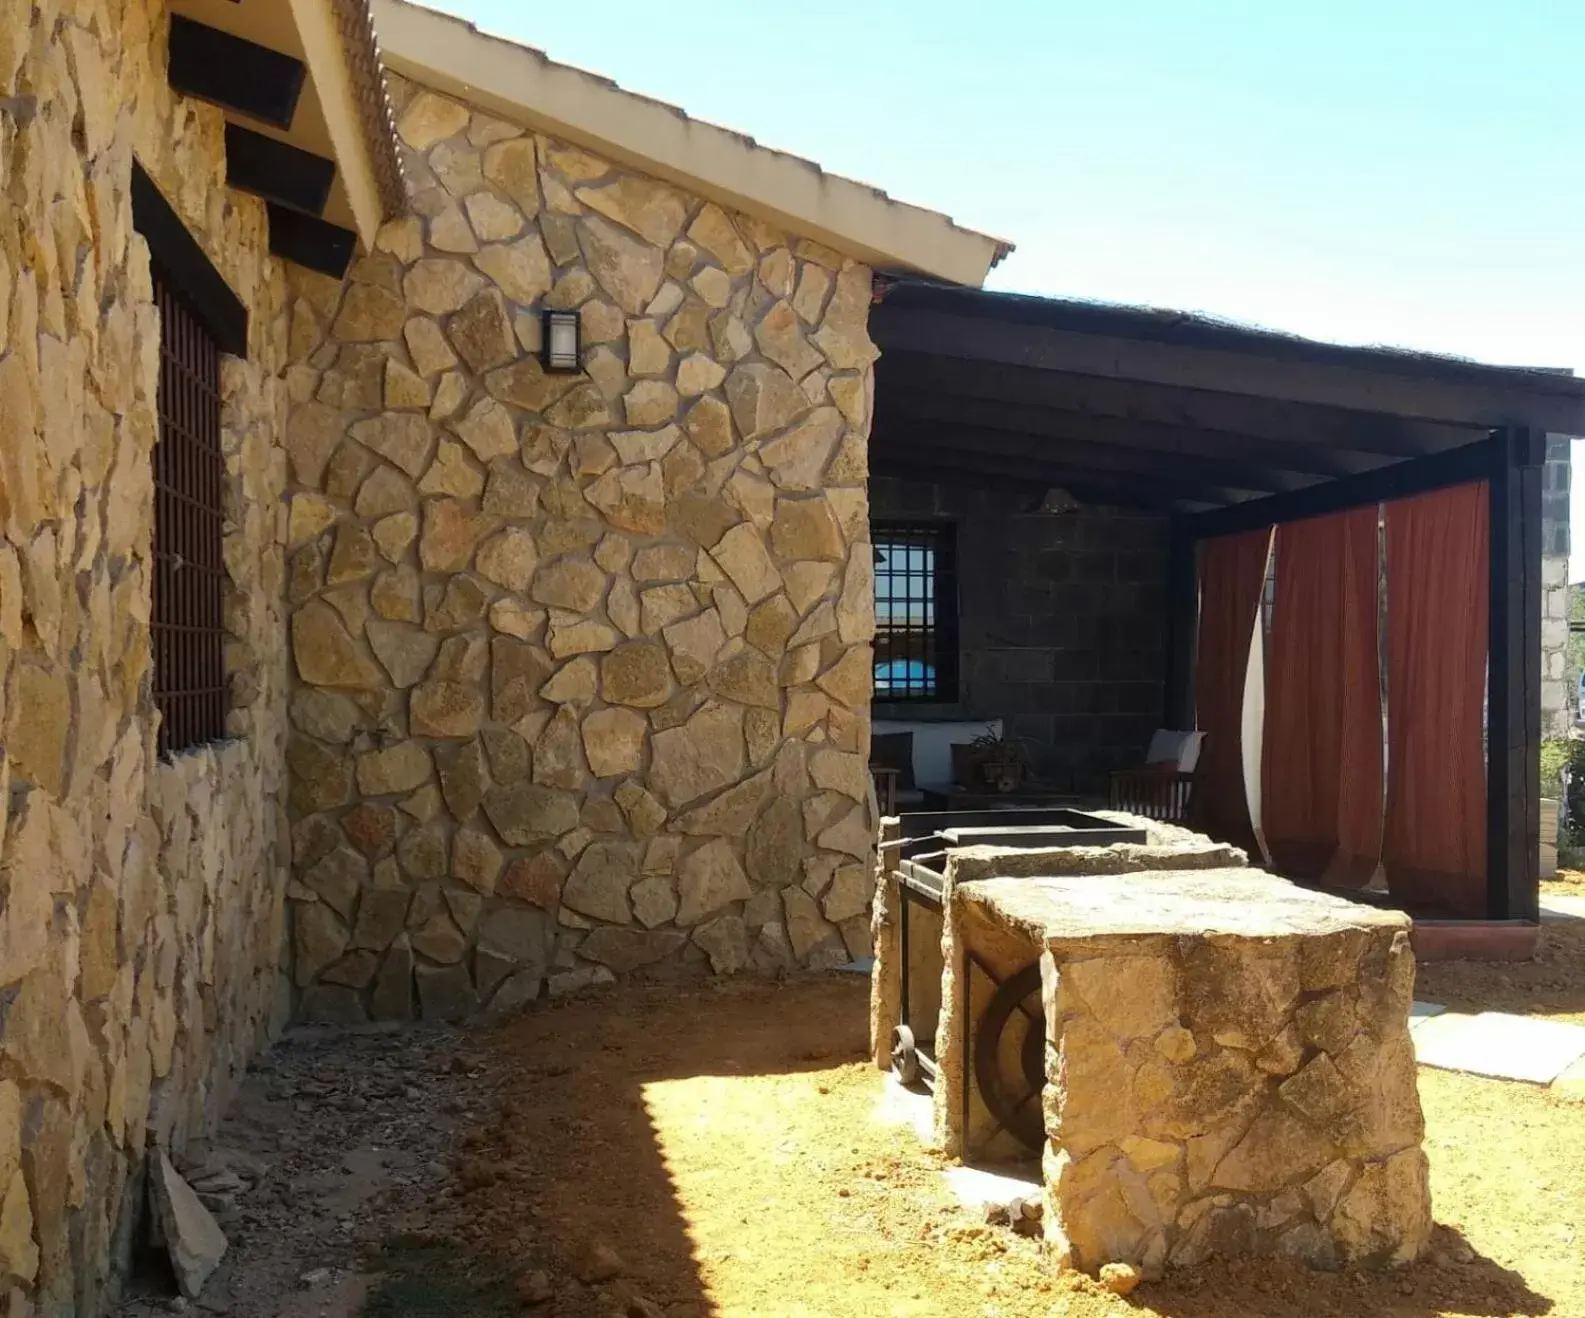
x=1327 y=559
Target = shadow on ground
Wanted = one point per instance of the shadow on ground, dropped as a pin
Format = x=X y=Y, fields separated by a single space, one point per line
x=571 y=1172
x=1454 y=1279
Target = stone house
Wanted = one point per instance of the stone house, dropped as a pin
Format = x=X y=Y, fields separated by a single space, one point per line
x=355 y=663
x=361 y=656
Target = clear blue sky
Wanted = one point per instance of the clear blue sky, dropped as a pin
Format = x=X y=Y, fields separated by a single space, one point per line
x=1407 y=172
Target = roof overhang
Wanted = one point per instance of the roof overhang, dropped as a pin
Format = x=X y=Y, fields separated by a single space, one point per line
x=521 y=85
x=1177 y=412
x=308 y=124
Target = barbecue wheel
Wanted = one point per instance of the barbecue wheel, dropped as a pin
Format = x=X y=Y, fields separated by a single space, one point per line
x=1014 y=1099
x=905 y=1056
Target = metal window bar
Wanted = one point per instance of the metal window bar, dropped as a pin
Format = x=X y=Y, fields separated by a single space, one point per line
x=915 y=612
x=188 y=626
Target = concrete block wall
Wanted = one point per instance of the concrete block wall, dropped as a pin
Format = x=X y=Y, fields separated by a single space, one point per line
x=1061 y=619
x=1557 y=681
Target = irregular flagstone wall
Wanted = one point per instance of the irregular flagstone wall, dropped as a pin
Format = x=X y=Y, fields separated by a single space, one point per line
x=584 y=660
x=140 y=903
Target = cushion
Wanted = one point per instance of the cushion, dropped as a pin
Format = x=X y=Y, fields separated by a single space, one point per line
x=933 y=740
x=1181 y=749
x=895 y=750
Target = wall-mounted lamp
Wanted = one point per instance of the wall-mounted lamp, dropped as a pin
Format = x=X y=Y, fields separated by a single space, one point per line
x=563 y=353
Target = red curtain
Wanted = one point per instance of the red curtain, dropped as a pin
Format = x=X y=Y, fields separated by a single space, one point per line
x=1232 y=574
x=1438 y=566
x=1321 y=807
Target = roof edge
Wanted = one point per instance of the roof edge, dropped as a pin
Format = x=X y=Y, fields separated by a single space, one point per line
x=518 y=83
x=355 y=23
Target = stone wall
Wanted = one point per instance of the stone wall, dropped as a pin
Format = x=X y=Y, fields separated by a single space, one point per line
x=1062 y=624
x=584 y=659
x=142 y=901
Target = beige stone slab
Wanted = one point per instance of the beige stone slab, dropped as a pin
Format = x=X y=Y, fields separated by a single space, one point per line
x=1237 y=902
x=1500 y=1045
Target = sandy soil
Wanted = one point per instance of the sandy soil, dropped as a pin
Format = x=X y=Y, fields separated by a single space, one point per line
x=1552 y=985
x=723 y=1143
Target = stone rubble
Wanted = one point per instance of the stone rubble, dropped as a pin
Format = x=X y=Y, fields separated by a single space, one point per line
x=193 y=1239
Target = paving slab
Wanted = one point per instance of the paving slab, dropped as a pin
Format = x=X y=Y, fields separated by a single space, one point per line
x=1499 y=1045
x=1419 y=1012
x=1564 y=907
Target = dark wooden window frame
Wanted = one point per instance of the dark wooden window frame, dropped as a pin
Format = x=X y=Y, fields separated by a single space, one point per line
x=200 y=319
x=934 y=640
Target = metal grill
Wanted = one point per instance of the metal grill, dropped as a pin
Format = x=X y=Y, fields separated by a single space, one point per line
x=189 y=491
x=916 y=653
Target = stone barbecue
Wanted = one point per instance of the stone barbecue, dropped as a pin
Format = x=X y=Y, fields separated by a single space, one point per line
x=1228 y=1068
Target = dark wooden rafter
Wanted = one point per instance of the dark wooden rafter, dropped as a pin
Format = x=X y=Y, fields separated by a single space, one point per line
x=1472 y=462
x=237 y=74
x=1272 y=419
x=310 y=241
x=1161 y=488
x=278 y=171
x=1247 y=478
x=1242 y=363
x=175 y=252
x=1149 y=437
x=1033 y=479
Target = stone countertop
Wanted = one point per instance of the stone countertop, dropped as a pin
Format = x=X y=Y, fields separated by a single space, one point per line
x=1241 y=903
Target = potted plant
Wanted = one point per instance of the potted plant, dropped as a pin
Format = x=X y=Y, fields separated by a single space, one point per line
x=1001 y=762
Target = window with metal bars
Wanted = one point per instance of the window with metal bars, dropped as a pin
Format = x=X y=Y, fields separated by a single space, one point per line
x=188 y=626
x=916 y=612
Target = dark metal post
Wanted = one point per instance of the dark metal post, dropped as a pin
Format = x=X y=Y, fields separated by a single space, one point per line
x=1183 y=607
x=1513 y=705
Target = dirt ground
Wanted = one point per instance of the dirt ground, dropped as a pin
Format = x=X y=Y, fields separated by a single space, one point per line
x=714 y=1152
x=1552 y=985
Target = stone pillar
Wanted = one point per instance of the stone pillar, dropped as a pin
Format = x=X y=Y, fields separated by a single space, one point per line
x=1230 y=1070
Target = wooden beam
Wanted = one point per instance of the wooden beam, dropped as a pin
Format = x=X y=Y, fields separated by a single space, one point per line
x=1031 y=479
x=1272 y=420
x=1158 y=489
x=1183 y=610
x=177 y=255
x=234 y=73
x=1513 y=704
x=310 y=242
x=1396 y=386
x=915 y=400
x=1244 y=478
x=1470 y=463
x=278 y=171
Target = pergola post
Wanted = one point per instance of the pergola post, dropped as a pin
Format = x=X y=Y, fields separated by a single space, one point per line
x=1183 y=608
x=1513 y=704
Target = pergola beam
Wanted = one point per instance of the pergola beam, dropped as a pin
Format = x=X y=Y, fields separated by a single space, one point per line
x=1154 y=490
x=918 y=400
x=1389 y=386
x=1513 y=705
x=1275 y=420
x=1246 y=477
x=1032 y=479
x=1470 y=463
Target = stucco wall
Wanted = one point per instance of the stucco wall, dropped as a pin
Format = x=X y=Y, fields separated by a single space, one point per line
x=583 y=660
x=142 y=902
